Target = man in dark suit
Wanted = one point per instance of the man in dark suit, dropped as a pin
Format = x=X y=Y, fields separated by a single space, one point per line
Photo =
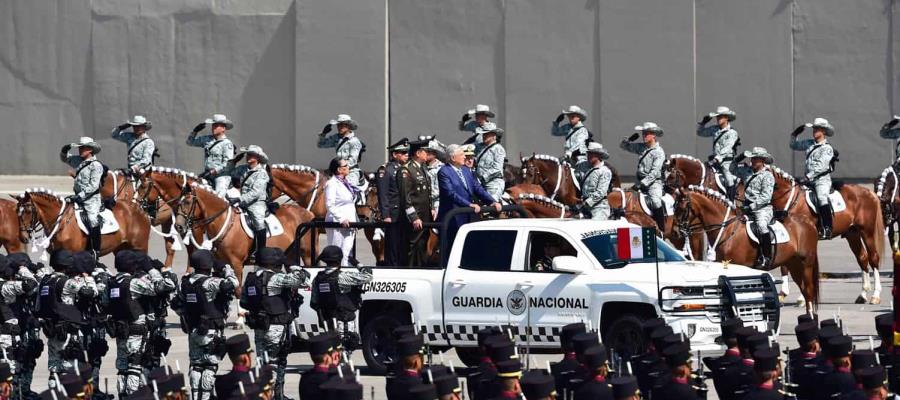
x=459 y=188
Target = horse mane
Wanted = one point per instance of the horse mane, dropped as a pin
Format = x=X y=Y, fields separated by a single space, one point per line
x=544 y=200
x=206 y=188
x=543 y=157
x=296 y=168
x=712 y=195
x=781 y=173
x=685 y=157
x=44 y=192
x=879 y=188
x=170 y=171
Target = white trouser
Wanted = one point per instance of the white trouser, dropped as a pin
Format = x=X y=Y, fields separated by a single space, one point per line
x=343 y=238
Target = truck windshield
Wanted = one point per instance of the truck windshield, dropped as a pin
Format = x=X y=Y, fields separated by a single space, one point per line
x=605 y=249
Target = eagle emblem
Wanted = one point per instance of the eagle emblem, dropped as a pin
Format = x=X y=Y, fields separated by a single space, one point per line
x=516 y=302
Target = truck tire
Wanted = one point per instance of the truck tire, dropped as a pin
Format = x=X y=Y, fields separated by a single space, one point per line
x=470 y=356
x=625 y=336
x=377 y=342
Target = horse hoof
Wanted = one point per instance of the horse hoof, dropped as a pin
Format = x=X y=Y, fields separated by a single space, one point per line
x=875 y=300
x=860 y=300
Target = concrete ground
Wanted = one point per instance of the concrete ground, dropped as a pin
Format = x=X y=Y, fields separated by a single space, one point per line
x=837 y=299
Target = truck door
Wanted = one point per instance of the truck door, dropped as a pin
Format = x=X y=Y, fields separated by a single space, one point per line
x=554 y=298
x=475 y=291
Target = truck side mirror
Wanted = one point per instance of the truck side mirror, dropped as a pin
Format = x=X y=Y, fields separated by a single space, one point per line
x=567 y=264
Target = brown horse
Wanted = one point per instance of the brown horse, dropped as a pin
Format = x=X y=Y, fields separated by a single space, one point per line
x=43 y=208
x=12 y=234
x=711 y=212
x=212 y=215
x=861 y=224
x=694 y=171
x=306 y=186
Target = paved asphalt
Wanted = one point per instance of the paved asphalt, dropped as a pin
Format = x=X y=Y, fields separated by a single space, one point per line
x=837 y=298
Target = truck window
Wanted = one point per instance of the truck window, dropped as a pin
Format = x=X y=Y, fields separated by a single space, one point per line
x=604 y=247
x=543 y=246
x=488 y=250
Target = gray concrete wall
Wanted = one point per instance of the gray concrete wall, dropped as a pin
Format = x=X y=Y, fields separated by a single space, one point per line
x=282 y=68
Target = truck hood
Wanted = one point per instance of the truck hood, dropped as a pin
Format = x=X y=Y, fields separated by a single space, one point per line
x=693 y=272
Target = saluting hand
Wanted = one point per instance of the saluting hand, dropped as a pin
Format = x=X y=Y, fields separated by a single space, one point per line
x=560 y=117
x=123 y=126
x=799 y=130
x=634 y=137
x=199 y=127
x=325 y=130
x=705 y=120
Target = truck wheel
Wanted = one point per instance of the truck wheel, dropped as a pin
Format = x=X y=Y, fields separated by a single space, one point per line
x=469 y=356
x=625 y=336
x=377 y=342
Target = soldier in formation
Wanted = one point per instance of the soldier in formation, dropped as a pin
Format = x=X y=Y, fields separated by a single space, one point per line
x=218 y=150
x=141 y=150
x=489 y=163
x=346 y=144
x=577 y=137
x=650 y=168
x=89 y=173
x=725 y=145
x=415 y=205
x=820 y=161
x=758 y=188
x=337 y=295
x=597 y=183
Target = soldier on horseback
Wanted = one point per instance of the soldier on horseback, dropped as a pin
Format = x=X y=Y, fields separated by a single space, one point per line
x=577 y=136
x=88 y=180
x=347 y=145
x=650 y=168
x=141 y=148
x=820 y=159
x=255 y=193
x=489 y=163
x=891 y=130
x=725 y=145
x=596 y=184
x=218 y=150
x=758 y=201
x=478 y=126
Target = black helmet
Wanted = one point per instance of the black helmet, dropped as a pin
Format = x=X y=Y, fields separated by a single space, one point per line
x=125 y=261
x=202 y=259
x=61 y=259
x=331 y=254
x=270 y=257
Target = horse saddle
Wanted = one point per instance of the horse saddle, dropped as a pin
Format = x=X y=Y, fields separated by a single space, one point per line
x=781 y=233
x=273 y=225
x=107 y=220
x=668 y=203
x=836 y=199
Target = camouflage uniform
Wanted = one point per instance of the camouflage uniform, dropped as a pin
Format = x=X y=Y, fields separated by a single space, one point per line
x=217 y=153
x=432 y=170
x=595 y=189
x=87 y=186
x=203 y=363
x=818 y=166
x=758 y=197
x=129 y=351
x=75 y=287
x=347 y=280
x=489 y=169
x=140 y=149
x=575 y=147
x=892 y=132
x=478 y=138
x=254 y=194
x=349 y=148
x=649 y=171
x=13 y=291
x=723 y=149
x=271 y=343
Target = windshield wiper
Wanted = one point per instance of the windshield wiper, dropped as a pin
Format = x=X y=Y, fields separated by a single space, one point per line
x=615 y=264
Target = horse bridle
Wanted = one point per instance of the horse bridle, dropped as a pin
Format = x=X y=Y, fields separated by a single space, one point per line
x=35 y=223
x=683 y=222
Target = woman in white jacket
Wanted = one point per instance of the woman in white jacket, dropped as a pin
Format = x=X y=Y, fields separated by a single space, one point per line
x=340 y=204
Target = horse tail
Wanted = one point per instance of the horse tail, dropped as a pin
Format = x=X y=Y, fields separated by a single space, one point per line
x=816 y=282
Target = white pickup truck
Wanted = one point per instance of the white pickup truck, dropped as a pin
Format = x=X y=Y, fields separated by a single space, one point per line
x=493 y=277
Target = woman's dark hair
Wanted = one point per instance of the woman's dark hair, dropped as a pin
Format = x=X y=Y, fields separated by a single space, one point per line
x=334 y=165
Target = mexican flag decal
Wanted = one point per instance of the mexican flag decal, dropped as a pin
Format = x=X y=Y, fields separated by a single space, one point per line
x=635 y=243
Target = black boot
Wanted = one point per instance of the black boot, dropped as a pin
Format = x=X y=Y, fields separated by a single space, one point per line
x=94 y=242
x=259 y=238
x=765 y=250
x=659 y=216
x=825 y=222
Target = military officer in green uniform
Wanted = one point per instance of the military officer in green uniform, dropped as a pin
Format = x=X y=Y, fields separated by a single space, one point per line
x=415 y=204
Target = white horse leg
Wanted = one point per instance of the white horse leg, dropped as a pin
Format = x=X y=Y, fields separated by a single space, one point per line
x=785 y=285
x=866 y=286
x=876 y=292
